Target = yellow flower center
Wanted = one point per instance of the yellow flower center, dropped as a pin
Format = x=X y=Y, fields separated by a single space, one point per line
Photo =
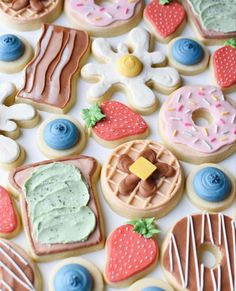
x=129 y=66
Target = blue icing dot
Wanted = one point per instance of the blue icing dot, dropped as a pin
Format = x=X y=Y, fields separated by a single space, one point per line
x=73 y=277
x=152 y=289
x=11 y=48
x=211 y=184
x=60 y=134
x=187 y=51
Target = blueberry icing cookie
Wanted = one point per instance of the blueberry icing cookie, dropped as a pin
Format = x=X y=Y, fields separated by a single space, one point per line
x=129 y=72
x=59 y=205
x=150 y=284
x=180 y=129
x=188 y=56
x=61 y=135
x=11 y=153
x=15 y=53
x=76 y=274
x=211 y=187
x=104 y=19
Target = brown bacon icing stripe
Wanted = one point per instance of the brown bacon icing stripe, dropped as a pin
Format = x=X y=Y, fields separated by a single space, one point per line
x=49 y=77
x=180 y=253
x=16 y=272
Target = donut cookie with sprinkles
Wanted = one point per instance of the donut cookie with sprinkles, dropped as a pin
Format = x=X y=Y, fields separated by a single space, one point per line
x=104 y=19
x=180 y=129
x=165 y=18
x=224 y=66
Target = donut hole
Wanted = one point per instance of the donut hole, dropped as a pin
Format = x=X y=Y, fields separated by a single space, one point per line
x=202 y=117
x=209 y=255
x=104 y=2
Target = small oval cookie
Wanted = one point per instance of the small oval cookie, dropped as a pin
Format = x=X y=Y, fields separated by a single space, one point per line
x=61 y=135
x=150 y=284
x=211 y=187
x=15 y=53
x=188 y=55
x=76 y=274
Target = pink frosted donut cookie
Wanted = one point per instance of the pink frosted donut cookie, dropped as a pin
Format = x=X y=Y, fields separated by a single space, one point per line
x=183 y=130
x=107 y=19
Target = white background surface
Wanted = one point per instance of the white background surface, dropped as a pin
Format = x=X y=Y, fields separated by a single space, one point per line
x=112 y=220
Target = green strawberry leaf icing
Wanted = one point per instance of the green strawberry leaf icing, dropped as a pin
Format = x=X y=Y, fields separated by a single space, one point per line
x=92 y=115
x=231 y=42
x=145 y=227
x=163 y=2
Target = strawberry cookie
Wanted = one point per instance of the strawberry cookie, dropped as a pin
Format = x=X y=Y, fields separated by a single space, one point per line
x=106 y=19
x=182 y=130
x=112 y=123
x=165 y=18
x=136 y=73
x=131 y=252
x=224 y=66
x=9 y=218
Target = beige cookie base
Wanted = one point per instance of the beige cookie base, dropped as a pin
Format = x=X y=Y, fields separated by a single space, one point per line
x=136 y=207
x=73 y=99
x=63 y=255
x=187 y=154
x=206 y=205
x=192 y=69
x=19 y=64
x=19 y=161
x=131 y=280
x=113 y=29
x=18 y=222
x=26 y=19
x=115 y=143
x=159 y=37
x=95 y=273
x=150 y=282
x=53 y=153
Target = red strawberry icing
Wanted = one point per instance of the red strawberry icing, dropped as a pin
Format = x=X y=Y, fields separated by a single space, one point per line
x=8 y=220
x=224 y=63
x=128 y=253
x=165 y=18
x=120 y=122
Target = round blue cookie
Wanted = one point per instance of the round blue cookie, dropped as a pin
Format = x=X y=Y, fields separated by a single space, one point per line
x=11 y=48
x=152 y=289
x=73 y=277
x=187 y=51
x=211 y=184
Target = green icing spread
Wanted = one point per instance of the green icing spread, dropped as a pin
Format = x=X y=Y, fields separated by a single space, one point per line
x=57 y=196
x=216 y=15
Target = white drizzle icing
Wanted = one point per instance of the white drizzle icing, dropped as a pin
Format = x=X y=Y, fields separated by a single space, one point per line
x=5 y=285
x=14 y=252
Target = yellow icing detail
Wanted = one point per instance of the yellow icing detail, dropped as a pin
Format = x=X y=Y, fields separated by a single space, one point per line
x=174 y=132
x=205 y=131
x=225 y=113
x=214 y=97
x=142 y=168
x=170 y=109
x=129 y=66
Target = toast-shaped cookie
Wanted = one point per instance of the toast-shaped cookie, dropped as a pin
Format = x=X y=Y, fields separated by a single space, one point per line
x=59 y=205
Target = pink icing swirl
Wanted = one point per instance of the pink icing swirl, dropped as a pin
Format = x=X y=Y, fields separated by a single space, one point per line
x=178 y=116
x=99 y=15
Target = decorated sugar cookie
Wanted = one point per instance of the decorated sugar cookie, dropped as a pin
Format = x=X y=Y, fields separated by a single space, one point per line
x=61 y=135
x=59 y=205
x=11 y=153
x=113 y=123
x=187 y=240
x=211 y=187
x=188 y=56
x=190 y=141
x=165 y=18
x=15 y=53
x=150 y=284
x=214 y=21
x=131 y=252
x=29 y=14
x=129 y=72
x=17 y=270
x=60 y=51
x=76 y=274
x=104 y=19
x=9 y=218
x=224 y=66
x=142 y=178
